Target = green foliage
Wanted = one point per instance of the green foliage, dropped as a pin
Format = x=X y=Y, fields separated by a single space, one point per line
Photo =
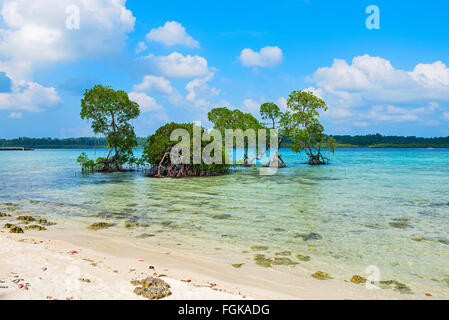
x=307 y=133
x=224 y=118
x=86 y=164
x=111 y=112
x=365 y=141
x=270 y=111
x=301 y=125
x=159 y=144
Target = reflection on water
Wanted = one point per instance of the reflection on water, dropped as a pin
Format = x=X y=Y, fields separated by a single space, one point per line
x=388 y=208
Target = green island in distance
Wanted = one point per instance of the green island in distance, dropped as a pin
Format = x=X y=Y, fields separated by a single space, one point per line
x=343 y=141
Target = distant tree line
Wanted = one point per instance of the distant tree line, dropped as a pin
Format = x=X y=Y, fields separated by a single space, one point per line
x=70 y=143
x=380 y=141
x=365 y=141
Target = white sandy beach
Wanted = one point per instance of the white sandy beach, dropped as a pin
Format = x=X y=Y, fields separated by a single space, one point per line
x=88 y=265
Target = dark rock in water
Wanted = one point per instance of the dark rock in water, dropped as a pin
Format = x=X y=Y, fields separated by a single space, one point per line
x=322 y=275
x=131 y=225
x=100 y=225
x=146 y=235
x=303 y=258
x=358 y=279
x=283 y=262
x=237 y=265
x=283 y=253
x=35 y=227
x=45 y=221
x=262 y=261
x=222 y=216
x=309 y=236
x=259 y=248
x=152 y=288
x=278 y=230
x=9 y=204
x=2 y=214
x=400 y=225
x=84 y=280
x=8 y=226
x=34 y=201
x=26 y=218
x=446 y=242
x=16 y=229
x=401 y=219
x=420 y=239
x=397 y=286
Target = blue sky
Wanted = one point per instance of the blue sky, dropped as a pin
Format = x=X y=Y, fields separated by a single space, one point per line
x=179 y=59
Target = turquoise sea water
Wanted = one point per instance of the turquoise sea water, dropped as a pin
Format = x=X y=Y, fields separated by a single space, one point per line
x=353 y=204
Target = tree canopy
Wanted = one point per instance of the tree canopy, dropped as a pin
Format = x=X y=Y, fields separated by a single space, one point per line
x=224 y=118
x=111 y=112
x=159 y=146
x=270 y=111
x=302 y=125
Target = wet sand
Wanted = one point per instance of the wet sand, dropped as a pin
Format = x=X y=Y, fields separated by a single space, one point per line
x=83 y=264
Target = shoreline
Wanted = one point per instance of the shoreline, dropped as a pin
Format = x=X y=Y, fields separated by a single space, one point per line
x=38 y=268
x=54 y=261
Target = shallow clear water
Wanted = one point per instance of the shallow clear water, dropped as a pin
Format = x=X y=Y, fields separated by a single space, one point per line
x=349 y=203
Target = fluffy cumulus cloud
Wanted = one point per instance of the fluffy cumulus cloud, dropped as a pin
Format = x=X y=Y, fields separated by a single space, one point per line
x=141 y=47
x=45 y=31
x=371 y=89
x=146 y=103
x=29 y=96
x=151 y=82
x=171 y=34
x=176 y=65
x=251 y=106
x=200 y=93
x=160 y=86
x=42 y=33
x=266 y=57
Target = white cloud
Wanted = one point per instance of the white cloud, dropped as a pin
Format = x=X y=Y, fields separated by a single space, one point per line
x=34 y=32
x=177 y=65
x=150 y=82
x=141 y=47
x=370 y=88
x=148 y=105
x=434 y=75
x=317 y=92
x=15 y=115
x=145 y=102
x=393 y=113
x=375 y=79
x=199 y=92
x=268 y=56
x=282 y=104
x=29 y=96
x=172 y=33
x=446 y=116
x=251 y=105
